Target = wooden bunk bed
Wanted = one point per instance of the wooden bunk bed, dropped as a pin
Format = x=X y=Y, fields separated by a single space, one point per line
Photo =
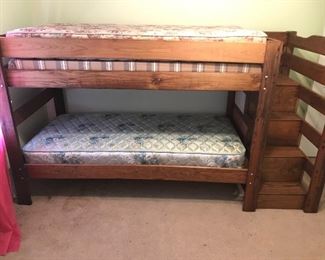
x=251 y=124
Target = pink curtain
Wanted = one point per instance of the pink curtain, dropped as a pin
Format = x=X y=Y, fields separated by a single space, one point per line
x=9 y=231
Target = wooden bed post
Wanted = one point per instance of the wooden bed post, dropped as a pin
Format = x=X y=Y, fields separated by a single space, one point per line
x=270 y=71
x=317 y=180
x=59 y=102
x=15 y=155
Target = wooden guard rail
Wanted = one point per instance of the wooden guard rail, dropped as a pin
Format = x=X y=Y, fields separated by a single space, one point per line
x=315 y=72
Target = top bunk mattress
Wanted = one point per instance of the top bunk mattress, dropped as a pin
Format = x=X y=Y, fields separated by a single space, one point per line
x=141 y=32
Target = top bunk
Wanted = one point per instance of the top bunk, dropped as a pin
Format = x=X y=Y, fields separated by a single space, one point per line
x=137 y=56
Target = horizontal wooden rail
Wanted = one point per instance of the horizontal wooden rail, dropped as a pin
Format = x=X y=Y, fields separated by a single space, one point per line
x=312 y=99
x=308 y=68
x=311 y=134
x=313 y=43
x=147 y=172
x=27 y=109
x=185 y=50
x=134 y=80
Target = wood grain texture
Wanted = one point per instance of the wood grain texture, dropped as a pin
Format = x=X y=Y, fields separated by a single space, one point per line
x=15 y=155
x=308 y=68
x=284 y=132
x=184 y=50
x=284 y=80
x=312 y=99
x=283 y=152
x=145 y=172
x=285 y=99
x=134 y=80
x=280 y=201
x=270 y=73
x=312 y=43
x=31 y=106
x=282 y=169
x=281 y=195
x=282 y=188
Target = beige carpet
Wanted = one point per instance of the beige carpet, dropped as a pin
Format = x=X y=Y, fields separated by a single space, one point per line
x=140 y=220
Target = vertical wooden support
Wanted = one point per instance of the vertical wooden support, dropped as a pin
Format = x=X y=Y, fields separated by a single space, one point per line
x=59 y=102
x=230 y=103
x=288 y=49
x=15 y=155
x=317 y=180
x=270 y=71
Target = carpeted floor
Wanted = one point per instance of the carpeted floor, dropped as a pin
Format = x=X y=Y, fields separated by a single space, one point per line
x=141 y=220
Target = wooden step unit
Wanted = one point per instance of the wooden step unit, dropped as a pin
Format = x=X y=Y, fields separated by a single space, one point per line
x=283 y=162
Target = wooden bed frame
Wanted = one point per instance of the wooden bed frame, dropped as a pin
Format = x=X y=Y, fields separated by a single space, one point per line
x=252 y=131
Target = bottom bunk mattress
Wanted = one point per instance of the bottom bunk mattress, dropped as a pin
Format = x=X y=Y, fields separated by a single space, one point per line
x=134 y=138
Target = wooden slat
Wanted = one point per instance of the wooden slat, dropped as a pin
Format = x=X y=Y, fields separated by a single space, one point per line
x=283 y=152
x=283 y=188
x=308 y=68
x=312 y=43
x=270 y=72
x=134 y=80
x=27 y=109
x=312 y=99
x=311 y=133
x=148 y=172
x=243 y=125
x=133 y=49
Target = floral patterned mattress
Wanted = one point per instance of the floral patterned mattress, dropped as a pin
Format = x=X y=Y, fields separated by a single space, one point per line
x=141 y=32
x=135 y=138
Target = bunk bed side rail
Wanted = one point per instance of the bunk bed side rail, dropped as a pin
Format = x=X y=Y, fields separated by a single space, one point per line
x=144 y=172
x=315 y=72
x=185 y=50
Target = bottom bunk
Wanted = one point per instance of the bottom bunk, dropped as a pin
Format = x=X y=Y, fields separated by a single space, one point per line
x=193 y=147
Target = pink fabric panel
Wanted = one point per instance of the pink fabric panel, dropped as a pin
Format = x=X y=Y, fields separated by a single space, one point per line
x=9 y=231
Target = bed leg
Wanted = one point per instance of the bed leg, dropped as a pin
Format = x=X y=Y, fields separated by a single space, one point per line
x=59 y=102
x=15 y=155
x=270 y=71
